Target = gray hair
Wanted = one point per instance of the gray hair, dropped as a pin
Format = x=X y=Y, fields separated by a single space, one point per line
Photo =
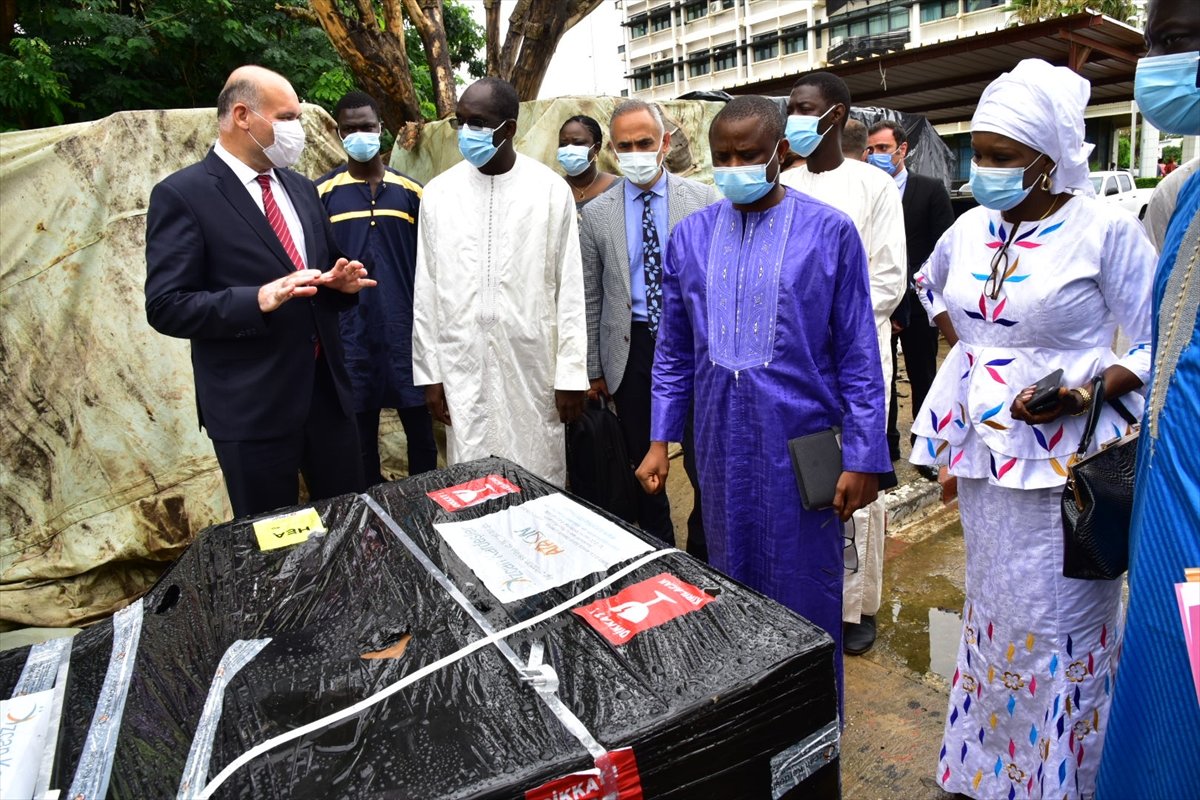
x=242 y=90
x=631 y=106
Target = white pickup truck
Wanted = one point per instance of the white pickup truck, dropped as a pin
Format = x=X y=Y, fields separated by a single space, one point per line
x=1118 y=187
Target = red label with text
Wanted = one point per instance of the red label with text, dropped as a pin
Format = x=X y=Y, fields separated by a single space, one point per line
x=614 y=778
x=472 y=493
x=642 y=606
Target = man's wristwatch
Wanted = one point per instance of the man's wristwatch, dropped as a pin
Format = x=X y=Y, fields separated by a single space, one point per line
x=1085 y=400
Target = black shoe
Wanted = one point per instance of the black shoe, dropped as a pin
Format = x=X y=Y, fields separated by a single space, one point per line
x=928 y=471
x=858 y=639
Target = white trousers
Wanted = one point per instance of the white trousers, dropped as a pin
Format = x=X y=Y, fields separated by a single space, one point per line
x=862 y=591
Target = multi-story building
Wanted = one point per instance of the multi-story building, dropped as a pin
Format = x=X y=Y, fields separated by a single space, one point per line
x=673 y=47
x=677 y=46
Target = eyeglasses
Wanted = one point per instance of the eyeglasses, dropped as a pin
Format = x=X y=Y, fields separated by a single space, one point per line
x=850 y=548
x=472 y=124
x=999 y=270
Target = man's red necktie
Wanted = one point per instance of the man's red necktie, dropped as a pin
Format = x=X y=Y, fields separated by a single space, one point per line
x=275 y=217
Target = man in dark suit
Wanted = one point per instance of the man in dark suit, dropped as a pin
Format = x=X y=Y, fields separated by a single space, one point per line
x=235 y=248
x=622 y=238
x=927 y=215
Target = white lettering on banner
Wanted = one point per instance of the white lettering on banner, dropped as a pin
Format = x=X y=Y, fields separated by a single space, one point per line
x=530 y=548
x=583 y=789
x=608 y=622
x=684 y=593
x=642 y=606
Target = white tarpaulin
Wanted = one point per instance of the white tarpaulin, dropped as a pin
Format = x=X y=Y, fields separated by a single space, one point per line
x=104 y=475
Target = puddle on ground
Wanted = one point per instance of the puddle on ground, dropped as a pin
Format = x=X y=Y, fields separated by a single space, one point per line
x=920 y=622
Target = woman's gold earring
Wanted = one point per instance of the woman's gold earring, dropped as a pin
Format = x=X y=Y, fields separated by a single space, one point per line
x=1045 y=182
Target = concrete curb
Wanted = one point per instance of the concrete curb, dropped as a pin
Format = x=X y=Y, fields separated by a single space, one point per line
x=911 y=501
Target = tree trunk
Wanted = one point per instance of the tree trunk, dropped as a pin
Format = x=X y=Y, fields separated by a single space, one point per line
x=534 y=31
x=377 y=57
x=491 y=34
x=427 y=17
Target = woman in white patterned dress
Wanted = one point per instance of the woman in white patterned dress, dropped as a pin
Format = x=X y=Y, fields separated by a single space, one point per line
x=1035 y=279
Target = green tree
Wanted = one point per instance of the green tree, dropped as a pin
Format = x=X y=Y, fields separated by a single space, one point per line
x=1027 y=11
x=32 y=92
x=101 y=56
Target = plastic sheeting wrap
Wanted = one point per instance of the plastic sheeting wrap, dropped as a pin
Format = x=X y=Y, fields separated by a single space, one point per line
x=104 y=475
x=731 y=696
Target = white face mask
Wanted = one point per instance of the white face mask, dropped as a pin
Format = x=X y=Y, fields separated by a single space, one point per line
x=289 y=141
x=640 y=168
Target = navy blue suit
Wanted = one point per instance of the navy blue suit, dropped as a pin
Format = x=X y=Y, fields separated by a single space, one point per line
x=270 y=405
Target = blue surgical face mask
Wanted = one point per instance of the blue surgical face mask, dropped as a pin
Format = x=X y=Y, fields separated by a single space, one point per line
x=744 y=185
x=1167 y=91
x=883 y=161
x=802 y=133
x=476 y=145
x=1000 y=188
x=574 y=158
x=361 y=146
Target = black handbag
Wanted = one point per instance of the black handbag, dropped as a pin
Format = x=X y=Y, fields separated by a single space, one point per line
x=1097 y=502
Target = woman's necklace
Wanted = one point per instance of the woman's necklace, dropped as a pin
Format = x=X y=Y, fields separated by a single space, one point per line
x=1053 y=205
x=579 y=193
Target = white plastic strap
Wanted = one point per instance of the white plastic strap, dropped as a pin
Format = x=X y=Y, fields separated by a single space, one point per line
x=794 y=765
x=42 y=787
x=545 y=683
x=96 y=760
x=41 y=666
x=425 y=671
x=195 y=771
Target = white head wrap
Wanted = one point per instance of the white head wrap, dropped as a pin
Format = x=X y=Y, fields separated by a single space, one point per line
x=1041 y=106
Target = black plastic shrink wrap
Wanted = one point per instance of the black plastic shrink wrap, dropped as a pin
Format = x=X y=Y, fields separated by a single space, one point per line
x=706 y=701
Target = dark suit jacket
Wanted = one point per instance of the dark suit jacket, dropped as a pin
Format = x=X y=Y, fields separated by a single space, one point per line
x=208 y=250
x=927 y=215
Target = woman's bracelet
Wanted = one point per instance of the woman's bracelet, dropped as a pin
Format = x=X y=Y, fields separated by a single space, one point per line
x=1085 y=400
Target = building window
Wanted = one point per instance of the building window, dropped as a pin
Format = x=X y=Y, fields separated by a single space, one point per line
x=695 y=11
x=620 y=49
x=933 y=10
x=660 y=20
x=874 y=25
x=664 y=75
x=795 y=40
x=699 y=64
x=724 y=59
x=638 y=27
x=726 y=4
x=766 y=48
x=641 y=80
x=980 y=5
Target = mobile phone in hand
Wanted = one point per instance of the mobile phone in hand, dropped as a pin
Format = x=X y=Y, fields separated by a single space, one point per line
x=1045 y=393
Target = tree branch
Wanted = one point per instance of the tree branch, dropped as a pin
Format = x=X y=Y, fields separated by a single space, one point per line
x=377 y=58
x=427 y=17
x=491 y=35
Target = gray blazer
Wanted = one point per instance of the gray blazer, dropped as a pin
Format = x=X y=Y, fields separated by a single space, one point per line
x=606 y=270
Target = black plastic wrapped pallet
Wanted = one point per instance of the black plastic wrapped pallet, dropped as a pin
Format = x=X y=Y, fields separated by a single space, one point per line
x=710 y=702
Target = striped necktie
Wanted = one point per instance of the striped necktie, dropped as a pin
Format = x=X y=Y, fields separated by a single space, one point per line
x=275 y=217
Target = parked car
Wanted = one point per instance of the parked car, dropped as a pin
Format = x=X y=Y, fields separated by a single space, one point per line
x=1116 y=186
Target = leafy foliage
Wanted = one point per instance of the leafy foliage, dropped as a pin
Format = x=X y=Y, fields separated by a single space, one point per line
x=74 y=61
x=1027 y=11
x=31 y=91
